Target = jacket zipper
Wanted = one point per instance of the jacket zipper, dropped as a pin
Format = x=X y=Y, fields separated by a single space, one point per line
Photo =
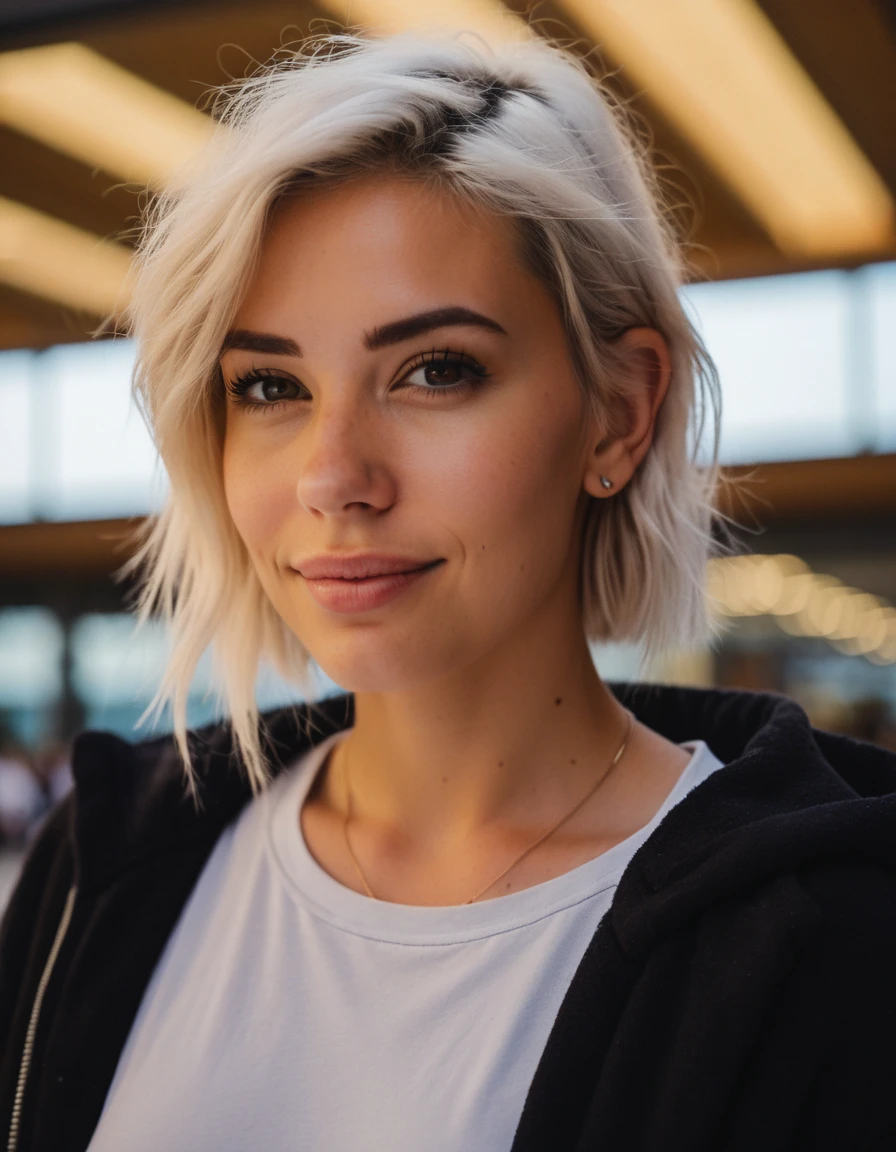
x=32 y=1022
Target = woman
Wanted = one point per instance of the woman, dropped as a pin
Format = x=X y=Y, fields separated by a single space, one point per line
x=412 y=350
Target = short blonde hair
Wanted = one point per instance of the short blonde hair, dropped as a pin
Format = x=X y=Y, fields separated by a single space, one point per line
x=523 y=130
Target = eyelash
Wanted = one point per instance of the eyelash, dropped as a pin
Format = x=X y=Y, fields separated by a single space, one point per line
x=239 y=387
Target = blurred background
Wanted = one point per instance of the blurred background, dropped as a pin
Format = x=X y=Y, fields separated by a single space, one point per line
x=772 y=123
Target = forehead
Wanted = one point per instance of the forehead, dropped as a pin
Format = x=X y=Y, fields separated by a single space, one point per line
x=382 y=240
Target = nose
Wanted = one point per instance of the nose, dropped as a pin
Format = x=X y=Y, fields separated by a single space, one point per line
x=343 y=462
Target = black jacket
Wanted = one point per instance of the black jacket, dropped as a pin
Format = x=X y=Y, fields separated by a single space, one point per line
x=740 y=995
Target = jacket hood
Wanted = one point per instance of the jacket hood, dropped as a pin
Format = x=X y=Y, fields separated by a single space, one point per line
x=790 y=796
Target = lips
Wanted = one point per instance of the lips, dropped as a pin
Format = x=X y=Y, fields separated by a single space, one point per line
x=363 y=583
x=403 y=571
x=359 y=567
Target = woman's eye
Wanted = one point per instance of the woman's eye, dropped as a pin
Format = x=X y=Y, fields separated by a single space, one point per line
x=261 y=389
x=434 y=374
x=443 y=372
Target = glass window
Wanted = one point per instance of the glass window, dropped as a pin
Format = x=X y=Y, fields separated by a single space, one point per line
x=882 y=284
x=807 y=366
x=779 y=344
x=31 y=648
x=31 y=643
x=107 y=464
x=15 y=379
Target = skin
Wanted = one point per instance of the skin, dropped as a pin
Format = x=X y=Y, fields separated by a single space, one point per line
x=480 y=718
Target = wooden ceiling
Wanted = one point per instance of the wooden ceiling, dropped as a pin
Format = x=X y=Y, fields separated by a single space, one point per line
x=849 y=50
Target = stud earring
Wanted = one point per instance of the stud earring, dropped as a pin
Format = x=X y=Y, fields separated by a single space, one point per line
x=606 y=481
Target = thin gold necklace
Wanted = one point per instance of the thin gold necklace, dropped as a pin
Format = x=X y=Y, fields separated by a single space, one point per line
x=541 y=839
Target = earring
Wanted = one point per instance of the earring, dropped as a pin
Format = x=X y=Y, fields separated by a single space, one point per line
x=606 y=481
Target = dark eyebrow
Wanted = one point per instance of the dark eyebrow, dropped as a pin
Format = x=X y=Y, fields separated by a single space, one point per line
x=394 y=333
x=248 y=341
x=400 y=330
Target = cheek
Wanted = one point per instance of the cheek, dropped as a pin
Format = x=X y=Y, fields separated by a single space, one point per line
x=256 y=493
x=510 y=484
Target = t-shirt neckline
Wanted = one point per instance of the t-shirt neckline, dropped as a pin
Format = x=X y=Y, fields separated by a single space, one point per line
x=350 y=911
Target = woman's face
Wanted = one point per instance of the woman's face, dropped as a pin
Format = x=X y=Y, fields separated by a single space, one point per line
x=408 y=394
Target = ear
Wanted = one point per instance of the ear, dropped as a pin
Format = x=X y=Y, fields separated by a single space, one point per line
x=647 y=368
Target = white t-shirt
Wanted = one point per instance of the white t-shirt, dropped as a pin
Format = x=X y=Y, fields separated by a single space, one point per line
x=290 y=1013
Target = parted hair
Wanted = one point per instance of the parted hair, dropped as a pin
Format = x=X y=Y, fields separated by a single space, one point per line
x=523 y=129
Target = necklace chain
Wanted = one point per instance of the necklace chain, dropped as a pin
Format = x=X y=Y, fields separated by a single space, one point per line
x=541 y=839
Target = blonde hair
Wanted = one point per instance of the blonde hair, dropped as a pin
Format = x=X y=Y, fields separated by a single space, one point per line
x=523 y=130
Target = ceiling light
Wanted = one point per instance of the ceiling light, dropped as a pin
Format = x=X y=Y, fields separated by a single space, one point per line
x=804 y=603
x=43 y=255
x=80 y=103
x=721 y=74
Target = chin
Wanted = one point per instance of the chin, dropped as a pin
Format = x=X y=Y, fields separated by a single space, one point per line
x=369 y=678
x=361 y=665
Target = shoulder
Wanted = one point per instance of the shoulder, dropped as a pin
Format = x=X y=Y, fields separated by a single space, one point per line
x=856 y=900
x=48 y=860
x=842 y=996
x=35 y=906
x=844 y=973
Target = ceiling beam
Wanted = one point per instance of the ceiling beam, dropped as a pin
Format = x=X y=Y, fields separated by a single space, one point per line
x=723 y=76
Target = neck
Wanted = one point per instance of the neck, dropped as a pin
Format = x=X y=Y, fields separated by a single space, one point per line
x=525 y=731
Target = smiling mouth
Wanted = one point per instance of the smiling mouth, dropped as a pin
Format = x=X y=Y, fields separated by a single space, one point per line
x=381 y=575
x=350 y=595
